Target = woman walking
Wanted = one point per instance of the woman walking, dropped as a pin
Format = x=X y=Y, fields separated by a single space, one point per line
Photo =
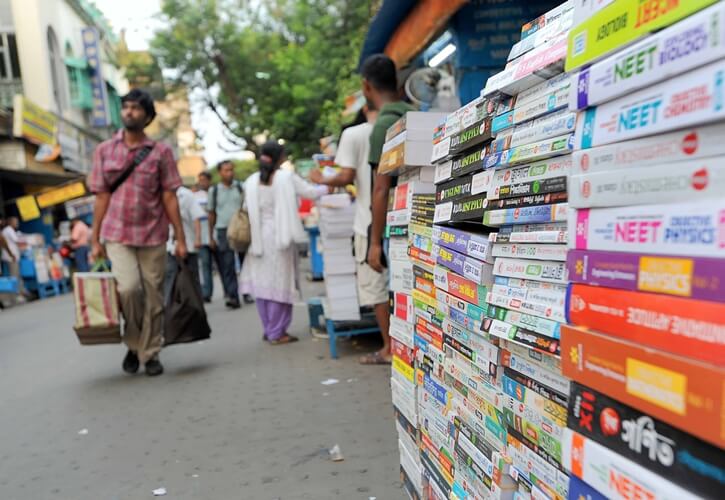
x=269 y=273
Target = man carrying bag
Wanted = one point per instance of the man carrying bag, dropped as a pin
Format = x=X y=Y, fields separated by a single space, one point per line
x=135 y=182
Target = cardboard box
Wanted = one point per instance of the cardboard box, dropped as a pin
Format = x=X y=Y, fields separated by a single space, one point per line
x=695 y=98
x=686 y=327
x=674 y=182
x=697 y=278
x=478 y=272
x=621 y=23
x=536 y=151
x=694 y=229
x=540 y=327
x=556 y=232
x=684 y=393
x=612 y=474
x=536 y=251
x=527 y=215
x=689 y=44
x=537 y=270
x=660 y=448
x=681 y=145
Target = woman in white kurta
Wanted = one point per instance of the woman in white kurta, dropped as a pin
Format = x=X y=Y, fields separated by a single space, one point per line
x=270 y=273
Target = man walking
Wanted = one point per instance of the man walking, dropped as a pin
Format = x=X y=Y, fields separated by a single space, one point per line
x=191 y=215
x=205 y=254
x=225 y=199
x=135 y=182
x=11 y=256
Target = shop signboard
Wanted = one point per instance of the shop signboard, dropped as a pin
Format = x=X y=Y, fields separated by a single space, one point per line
x=61 y=194
x=32 y=122
x=92 y=50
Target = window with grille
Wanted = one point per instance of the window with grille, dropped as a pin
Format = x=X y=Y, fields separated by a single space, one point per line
x=9 y=62
x=81 y=91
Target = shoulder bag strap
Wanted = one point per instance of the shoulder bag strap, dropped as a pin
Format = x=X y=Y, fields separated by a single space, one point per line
x=137 y=160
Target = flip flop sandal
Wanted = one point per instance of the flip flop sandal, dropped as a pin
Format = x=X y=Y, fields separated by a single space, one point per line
x=286 y=339
x=374 y=358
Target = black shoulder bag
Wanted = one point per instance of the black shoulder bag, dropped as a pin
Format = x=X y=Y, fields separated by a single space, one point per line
x=137 y=160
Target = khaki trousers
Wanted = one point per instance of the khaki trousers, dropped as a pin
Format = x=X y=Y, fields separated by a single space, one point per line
x=139 y=273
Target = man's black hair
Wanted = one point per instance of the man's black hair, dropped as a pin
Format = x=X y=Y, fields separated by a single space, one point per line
x=222 y=163
x=144 y=100
x=205 y=174
x=380 y=71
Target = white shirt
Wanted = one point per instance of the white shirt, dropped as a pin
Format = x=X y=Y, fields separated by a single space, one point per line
x=190 y=212
x=11 y=237
x=202 y=198
x=353 y=152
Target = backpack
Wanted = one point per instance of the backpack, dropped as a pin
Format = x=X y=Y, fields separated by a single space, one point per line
x=239 y=230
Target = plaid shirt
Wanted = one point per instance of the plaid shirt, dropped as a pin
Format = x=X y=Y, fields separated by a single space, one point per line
x=136 y=215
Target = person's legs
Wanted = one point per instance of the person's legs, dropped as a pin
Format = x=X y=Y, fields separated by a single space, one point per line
x=373 y=291
x=171 y=269
x=207 y=282
x=151 y=262
x=280 y=317
x=81 y=259
x=128 y=284
x=248 y=299
x=262 y=309
x=227 y=267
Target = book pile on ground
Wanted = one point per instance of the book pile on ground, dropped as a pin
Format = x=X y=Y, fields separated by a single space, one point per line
x=646 y=255
x=336 y=218
x=409 y=233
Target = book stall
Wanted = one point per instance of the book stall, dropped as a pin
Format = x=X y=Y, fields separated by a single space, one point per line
x=557 y=274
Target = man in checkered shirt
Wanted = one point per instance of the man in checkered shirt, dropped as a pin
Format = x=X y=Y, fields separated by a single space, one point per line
x=133 y=224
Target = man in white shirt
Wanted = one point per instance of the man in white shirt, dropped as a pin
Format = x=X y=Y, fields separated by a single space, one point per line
x=191 y=215
x=206 y=257
x=352 y=156
x=11 y=256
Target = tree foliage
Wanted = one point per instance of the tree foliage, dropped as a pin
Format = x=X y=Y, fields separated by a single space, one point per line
x=276 y=67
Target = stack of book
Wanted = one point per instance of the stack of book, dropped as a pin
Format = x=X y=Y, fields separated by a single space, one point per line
x=647 y=189
x=408 y=229
x=336 y=217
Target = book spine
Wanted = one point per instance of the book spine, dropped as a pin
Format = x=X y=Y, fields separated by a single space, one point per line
x=474 y=245
x=695 y=98
x=549 y=271
x=697 y=278
x=547 y=103
x=529 y=188
x=472 y=269
x=535 y=151
x=521 y=336
x=460 y=287
x=534 y=309
x=694 y=229
x=530 y=251
x=691 y=43
x=545 y=127
x=661 y=448
x=681 y=145
x=686 y=394
x=527 y=215
x=691 y=328
x=549 y=329
x=619 y=24
x=681 y=181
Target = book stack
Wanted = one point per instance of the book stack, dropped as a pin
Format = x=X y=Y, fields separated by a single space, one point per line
x=407 y=153
x=646 y=255
x=336 y=217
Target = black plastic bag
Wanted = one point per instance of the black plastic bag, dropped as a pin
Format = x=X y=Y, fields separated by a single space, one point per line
x=185 y=315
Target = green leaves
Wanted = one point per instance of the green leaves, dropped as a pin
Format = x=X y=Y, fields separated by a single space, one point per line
x=276 y=66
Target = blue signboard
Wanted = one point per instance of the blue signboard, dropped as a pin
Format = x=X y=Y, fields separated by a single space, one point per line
x=91 y=48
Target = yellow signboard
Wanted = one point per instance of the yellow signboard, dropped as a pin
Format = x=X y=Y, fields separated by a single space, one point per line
x=33 y=123
x=61 y=194
x=28 y=208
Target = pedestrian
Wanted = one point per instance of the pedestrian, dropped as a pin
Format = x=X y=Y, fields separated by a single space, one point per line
x=205 y=253
x=270 y=268
x=353 y=156
x=135 y=181
x=380 y=88
x=225 y=199
x=80 y=237
x=191 y=215
x=11 y=256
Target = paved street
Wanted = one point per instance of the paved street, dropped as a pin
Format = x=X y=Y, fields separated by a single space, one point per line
x=232 y=418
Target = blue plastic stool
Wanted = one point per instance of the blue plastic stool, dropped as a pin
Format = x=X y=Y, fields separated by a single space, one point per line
x=368 y=324
x=316 y=312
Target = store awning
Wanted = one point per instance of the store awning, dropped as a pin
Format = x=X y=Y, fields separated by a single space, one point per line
x=404 y=28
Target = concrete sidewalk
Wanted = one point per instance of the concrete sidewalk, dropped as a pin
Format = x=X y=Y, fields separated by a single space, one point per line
x=232 y=418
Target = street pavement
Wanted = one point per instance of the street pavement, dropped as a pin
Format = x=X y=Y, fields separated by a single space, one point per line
x=232 y=417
